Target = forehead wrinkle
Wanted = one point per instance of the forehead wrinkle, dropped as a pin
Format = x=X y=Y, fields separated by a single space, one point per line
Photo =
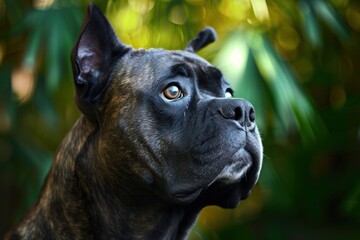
x=216 y=72
x=208 y=78
x=211 y=81
x=160 y=64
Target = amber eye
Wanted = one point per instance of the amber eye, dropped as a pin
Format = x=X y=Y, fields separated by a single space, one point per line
x=173 y=92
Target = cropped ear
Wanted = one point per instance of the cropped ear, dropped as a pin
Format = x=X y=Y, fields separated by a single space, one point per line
x=92 y=56
x=203 y=38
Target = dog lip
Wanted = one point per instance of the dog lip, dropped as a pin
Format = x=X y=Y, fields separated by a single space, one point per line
x=235 y=171
x=186 y=196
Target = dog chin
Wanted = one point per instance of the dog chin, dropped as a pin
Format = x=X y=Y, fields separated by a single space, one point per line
x=232 y=184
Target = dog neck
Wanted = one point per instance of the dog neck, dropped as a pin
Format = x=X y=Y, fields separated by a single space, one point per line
x=81 y=199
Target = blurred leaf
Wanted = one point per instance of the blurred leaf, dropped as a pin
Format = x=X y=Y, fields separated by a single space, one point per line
x=252 y=66
x=50 y=32
x=6 y=99
x=38 y=159
x=351 y=204
x=310 y=23
x=45 y=105
x=232 y=57
x=34 y=43
x=28 y=167
x=291 y=105
x=269 y=177
x=13 y=10
x=54 y=49
x=331 y=18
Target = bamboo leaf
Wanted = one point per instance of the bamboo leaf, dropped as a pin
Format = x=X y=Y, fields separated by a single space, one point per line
x=310 y=24
x=45 y=104
x=54 y=49
x=232 y=57
x=291 y=104
x=33 y=47
x=331 y=18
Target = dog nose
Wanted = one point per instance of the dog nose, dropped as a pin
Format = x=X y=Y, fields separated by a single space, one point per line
x=241 y=111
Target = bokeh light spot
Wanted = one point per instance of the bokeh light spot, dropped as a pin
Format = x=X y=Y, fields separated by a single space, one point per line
x=42 y=4
x=288 y=38
x=22 y=83
x=141 y=6
x=337 y=97
x=353 y=18
x=127 y=19
x=178 y=15
x=260 y=9
x=237 y=10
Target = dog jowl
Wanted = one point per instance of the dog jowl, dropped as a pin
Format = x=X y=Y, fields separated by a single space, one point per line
x=159 y=139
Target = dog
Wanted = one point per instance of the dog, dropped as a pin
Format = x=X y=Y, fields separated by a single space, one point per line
x=160 y=138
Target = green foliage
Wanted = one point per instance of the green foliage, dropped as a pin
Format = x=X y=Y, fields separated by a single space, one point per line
x=296 y=61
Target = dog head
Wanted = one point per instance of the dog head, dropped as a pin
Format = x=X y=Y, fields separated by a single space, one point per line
x=166 y=118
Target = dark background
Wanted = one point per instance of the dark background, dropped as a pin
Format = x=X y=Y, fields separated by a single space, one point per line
x=297 y=61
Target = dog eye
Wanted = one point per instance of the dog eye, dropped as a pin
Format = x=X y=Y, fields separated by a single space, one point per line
x=228 y=93
x=173 y=92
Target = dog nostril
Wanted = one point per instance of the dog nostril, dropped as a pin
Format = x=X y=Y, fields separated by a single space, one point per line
x=252 y=115
x=238 y=113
